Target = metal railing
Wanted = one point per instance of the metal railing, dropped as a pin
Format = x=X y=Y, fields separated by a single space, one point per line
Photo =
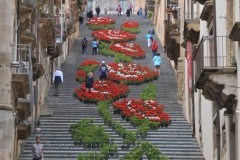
x=193 y=15
x=21 y=58
x=205 y=58
x=28 y=2
x=22 y=64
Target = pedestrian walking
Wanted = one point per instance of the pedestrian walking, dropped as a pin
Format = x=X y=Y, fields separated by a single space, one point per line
x=37 y=150
x=145 y=13
x=154 y=47
x=80 y=20
x=98 y=10
x=94 y=46
x=152 y=32
x=157 y=62
x=119 y=10
x=57 y=80
x=89 y=82
x=149 y=39
x=130 y=6
x=128 y=13
x=84 y=44
x=140 y=12
x=105 y=10
x=90 y=14
x=103 y=71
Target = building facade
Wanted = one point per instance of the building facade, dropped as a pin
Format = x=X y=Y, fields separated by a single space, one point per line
x=35 y=40
x=203 y=46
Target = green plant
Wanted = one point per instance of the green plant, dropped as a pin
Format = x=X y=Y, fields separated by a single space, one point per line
x=131 y=30
x=149 y=93
x=88 y=133
x=100 y=27
x=149 y=14
x=38 y=122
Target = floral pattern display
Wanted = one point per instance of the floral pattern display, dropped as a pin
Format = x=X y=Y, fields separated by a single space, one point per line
x=130 y=73
x=102 y=90
x=130 y=24
x=84 y=67
x=129 y=49
x=113 y=35
x=101 y=21
x=148 y=109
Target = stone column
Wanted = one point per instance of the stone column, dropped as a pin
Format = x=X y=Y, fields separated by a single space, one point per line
x=6 y=108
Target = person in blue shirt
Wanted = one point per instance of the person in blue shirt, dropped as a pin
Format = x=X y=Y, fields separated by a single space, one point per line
x=94 y=46
x=149 y=39
x=157 y=62
x=89 y=82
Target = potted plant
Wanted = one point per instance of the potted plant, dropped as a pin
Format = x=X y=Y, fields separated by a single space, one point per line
x=37 y=128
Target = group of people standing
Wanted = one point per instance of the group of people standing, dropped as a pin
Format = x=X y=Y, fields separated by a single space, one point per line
x=103 y=73
x=95 y=44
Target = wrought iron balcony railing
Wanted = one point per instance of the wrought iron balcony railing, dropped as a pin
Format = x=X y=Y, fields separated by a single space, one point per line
x=28 y=2
x=206 y=60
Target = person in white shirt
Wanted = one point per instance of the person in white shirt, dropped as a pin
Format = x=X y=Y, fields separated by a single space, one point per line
x=57 y=80
x=37 y=150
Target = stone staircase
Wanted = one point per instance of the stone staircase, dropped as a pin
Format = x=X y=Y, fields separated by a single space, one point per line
x=176 y=141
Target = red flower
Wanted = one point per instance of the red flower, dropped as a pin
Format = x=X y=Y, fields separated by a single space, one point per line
x=103 y=90
x=129 y=49
x=128 y=73
x=89 y=62
x=113 y=35
x=101 y=21
x=142 y=109
x=130 y=24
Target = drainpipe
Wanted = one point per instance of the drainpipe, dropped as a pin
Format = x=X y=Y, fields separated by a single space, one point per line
x=215 y=54
x=193 y=86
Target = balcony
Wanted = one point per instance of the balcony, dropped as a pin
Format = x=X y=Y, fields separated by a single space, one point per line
x=207 y=12
x=20 y=85
x=206 y=62
x=23 y=131
x=23 y=109
x=26 y=6
x=46 y=34
x=21 y=68
x=191 y=30
x=235 y=32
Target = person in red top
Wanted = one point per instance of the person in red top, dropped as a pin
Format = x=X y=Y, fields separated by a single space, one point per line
x=154 y=47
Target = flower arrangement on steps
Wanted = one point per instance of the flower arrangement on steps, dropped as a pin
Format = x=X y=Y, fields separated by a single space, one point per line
x=102 y=90
x=104 y=49
x=131 y=26
x=132 y=50
x=99 y=23
x=130 y=138
x=144 y=112
x=131 y=73
x=84 y=68
x=140 y=109
x=110 y=35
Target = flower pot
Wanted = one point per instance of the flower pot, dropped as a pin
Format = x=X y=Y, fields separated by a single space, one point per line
x=38 y=129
